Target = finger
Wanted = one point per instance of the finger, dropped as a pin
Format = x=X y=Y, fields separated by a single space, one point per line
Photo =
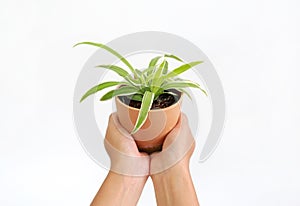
x=178 y=144
x=181 y=129
x=174 y=132
x=127 y=164
x=116 y=129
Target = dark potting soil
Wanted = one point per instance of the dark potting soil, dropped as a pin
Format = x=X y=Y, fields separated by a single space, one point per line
x=164 y=100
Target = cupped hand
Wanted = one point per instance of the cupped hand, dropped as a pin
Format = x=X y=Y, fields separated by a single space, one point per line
x=177 y=149
x=123 y=152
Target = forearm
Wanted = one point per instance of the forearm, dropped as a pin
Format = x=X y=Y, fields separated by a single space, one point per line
x=119 y=190
x=175 y=187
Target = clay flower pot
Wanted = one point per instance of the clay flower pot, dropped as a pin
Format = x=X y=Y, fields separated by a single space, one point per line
x=159 y=123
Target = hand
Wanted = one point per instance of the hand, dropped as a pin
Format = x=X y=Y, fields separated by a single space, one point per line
x=177 y=149
x=123 y=152
x=169 y=169
x=129 y=168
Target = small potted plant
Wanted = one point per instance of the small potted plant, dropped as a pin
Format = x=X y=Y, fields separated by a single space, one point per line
x=147 y=101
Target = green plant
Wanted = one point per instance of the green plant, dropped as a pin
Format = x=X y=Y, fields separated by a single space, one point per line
x=144 y=85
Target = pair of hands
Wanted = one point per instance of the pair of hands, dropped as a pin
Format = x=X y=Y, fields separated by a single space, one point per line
x=127 y=160
x=130 y=169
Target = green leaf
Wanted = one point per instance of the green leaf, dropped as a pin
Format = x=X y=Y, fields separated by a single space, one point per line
x=182 y=69
x=143 y=113
x=138 y=72
x=137 y=97
x=120 y=71
x=148 y=71
x=149 y=80
x=158 y=92
x=126 y=90
x=111 y=51
x=158 y=72
x=133 y=80
x=141 y=76
x=157 y=79
x=165 y=70
x=182 y=84
x=185 y=92
x=154 y=61
x=173 y=57
x=144 y=89
x=172 y=93
x=99 y=87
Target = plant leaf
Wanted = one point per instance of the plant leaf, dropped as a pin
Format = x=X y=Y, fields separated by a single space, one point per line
x=158 y=92
x=182 y=84
x=141 y=76
x=120 y=71
x=138 y=72
x=158 y=78
x=148 y=71
x=99 y=87
x=111 y=51
x=133 y=80
x=173 y=57
x=158 y=73
x=126 y=90
x=143 y=113
x=149 y=79
x=137 y=97
x=172 y=93
x=182 y=69
x=165 y=70
x=185 y=92
x=154 y=61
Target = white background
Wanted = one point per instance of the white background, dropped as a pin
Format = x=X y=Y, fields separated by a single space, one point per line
x=254 y=46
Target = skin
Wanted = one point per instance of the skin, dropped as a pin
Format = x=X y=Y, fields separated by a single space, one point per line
x=119 y=189
x=174 y=186
x=130 y=169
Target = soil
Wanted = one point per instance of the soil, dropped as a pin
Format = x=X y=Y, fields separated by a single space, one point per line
x=163 y=100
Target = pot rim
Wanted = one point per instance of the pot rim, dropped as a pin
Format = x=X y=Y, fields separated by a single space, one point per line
x=152 y=110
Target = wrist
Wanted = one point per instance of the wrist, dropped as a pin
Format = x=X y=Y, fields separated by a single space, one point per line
x=131 y=166
x=181 y=169
x=127 y=179
x=174 y=184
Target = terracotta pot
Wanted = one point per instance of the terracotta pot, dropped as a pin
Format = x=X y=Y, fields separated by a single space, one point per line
x=159 y=123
